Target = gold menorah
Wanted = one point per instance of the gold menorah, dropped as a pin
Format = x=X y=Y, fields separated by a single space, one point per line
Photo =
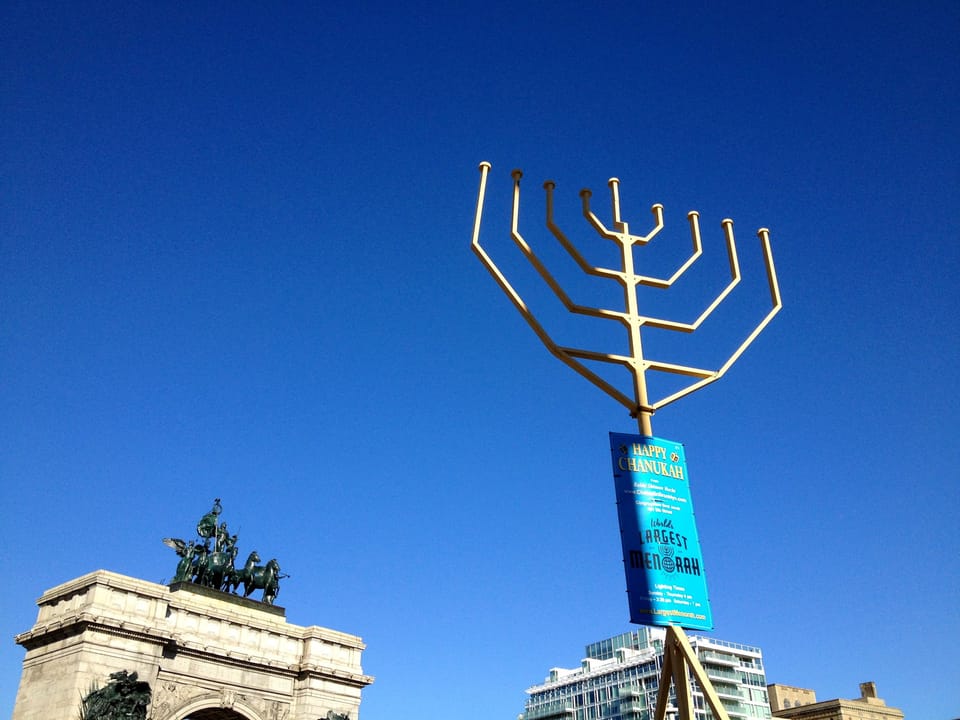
x=679 y=658
x=640 y=405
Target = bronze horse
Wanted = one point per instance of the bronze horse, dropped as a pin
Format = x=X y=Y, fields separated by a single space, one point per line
x=266 y=578
x=238 y=577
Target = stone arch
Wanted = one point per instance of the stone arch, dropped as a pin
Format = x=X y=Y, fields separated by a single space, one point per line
x=214 y=707
x=207 y=655
x=215 y=714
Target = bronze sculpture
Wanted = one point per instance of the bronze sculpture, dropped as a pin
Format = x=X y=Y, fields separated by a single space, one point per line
x=213 y=566
x=123 y=698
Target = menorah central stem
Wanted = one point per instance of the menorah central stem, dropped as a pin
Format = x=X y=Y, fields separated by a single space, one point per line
x=644 y=415
x=644 y=422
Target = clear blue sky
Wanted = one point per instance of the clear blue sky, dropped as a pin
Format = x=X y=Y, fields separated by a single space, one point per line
x=234 y=262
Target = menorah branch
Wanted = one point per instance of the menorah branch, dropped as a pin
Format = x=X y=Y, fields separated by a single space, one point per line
x=734 y=281
x=522 y=308
x=542 y=269
x=549 y=186
x=693 y=218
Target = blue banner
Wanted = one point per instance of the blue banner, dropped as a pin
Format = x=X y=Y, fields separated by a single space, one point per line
x=666 y=584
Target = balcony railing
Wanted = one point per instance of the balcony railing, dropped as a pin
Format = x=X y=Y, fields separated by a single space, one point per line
x=726 y=691
x=720 y=659
x=565 y=713
x=716 y=673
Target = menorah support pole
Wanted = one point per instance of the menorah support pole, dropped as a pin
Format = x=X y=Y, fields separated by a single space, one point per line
x=679 y=661
x=645 y=422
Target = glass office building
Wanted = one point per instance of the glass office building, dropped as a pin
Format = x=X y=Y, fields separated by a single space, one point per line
x=619 y=678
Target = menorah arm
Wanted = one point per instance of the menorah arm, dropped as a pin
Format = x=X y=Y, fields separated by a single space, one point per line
x=734 y=281
x=598 y=356
x=542 y=269
x=555 y=286
x=544 y=336
x=598 y=381
x=627 y=241
x=709 y=376
x=549 y=186
x=514 y=297
x=693 y=218
x=624 y=235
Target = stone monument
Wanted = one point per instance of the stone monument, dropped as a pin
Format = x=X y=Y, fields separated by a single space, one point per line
x=109 y=646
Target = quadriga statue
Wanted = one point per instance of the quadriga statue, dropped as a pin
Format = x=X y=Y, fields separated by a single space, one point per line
x=209 y=561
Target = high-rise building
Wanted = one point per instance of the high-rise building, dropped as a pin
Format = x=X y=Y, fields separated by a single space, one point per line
x=620 y=676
